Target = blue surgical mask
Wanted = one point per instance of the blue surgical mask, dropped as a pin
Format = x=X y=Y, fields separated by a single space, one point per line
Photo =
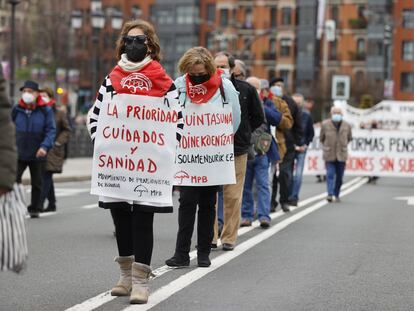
x=337 y=118
x=277 y=91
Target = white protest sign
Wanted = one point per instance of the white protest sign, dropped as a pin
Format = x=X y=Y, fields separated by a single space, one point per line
x=370 y=153
x=135 y=147
x=388 y=114
x=206 y=156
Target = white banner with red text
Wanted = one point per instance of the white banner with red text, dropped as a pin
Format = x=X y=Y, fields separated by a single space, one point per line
x=386 y=115
x=135 y=147
x=370 y=153
x=205 y=156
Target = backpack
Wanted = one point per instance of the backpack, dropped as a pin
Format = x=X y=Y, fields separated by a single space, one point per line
x=261 y=139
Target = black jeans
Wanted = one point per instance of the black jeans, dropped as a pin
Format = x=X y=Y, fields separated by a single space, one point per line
x=36 y=177
x=285 y=178
x=48 y=190
x=190 y=197
x=134 y=233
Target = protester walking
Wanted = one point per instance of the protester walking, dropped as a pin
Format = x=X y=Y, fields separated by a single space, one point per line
x=335 y=136
x=35 y=135
x=252 y=116
x=56 y=155
x=266 y=152
x=293 y=137
x=138 y=81
x=200 y=87
x=300 y=150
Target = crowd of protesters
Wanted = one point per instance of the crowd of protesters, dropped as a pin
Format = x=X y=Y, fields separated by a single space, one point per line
x=272 y=131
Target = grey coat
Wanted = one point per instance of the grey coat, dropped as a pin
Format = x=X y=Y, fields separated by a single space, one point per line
x=334 y=141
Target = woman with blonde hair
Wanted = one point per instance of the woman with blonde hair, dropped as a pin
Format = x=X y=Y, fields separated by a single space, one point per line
x=202 y=91
x=137 y=80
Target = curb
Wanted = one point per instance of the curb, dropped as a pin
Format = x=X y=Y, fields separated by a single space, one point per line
x=59 y=179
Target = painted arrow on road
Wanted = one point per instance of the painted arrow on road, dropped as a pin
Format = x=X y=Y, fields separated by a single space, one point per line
x=410 y=200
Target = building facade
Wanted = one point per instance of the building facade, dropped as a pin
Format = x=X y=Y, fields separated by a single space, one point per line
x=261 y=33
x=403 y=56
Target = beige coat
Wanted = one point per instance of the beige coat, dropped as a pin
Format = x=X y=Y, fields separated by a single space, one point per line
x=286 y=123
x=56 y=155
x=335 y=142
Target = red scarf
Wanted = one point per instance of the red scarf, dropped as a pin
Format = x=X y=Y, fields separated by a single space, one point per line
x=51 y=102
x=39 y=103
x=151 y=80
x=202 y=93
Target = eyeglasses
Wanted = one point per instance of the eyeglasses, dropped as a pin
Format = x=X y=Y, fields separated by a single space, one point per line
x=131 y=39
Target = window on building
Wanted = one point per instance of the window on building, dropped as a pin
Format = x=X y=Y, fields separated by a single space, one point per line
x=136 y=12
x=408 y=18
x=359 y=78
x=407 y=82
x=335 y=13
x=361 y=46
x=333 y=50
x=285 y=45
x=305 y=16
x=271 y=73
x=183 y=43
x=209 y=44
x=186 y=14
x=224 y=17
x=166 y=43
x=211 y=12
x=375 y=47
x=273 y=16
x=361 y=11
x=164 y=17
x=286 y=16
x=272 y=45
x=153 y=13
x=284 y=74
x=248 y=18
x=407 y=50
x=247 y=44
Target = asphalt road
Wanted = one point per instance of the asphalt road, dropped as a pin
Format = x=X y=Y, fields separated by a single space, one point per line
x=353 y=255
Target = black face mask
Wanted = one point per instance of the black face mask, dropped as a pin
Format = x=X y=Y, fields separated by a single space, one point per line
x=199 y=79
x=136 y=51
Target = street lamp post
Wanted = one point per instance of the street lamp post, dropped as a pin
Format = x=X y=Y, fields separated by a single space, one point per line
x=13 y=3
x=97 y=23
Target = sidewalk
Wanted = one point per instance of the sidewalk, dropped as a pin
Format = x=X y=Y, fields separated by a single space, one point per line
x=74 y=169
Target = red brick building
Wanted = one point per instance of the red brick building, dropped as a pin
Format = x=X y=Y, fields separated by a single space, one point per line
x=403 y=56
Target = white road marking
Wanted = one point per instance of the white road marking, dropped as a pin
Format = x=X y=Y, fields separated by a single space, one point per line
x=64 y=192
x=185 y=280
x=99 y=300
x=90 y=206
x=410 y=200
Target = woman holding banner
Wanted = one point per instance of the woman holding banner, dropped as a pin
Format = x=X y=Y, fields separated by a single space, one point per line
x=135 y=124
x=205 y=158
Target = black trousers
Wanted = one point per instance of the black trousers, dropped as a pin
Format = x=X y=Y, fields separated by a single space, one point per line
x=48 y=190
x=36 y=177
x=134 y=233
x=190 y=197
x=285 y=178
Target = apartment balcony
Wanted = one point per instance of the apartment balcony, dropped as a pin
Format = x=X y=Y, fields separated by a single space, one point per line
x=357 y=23
x=357 y=56
x=269 y=55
